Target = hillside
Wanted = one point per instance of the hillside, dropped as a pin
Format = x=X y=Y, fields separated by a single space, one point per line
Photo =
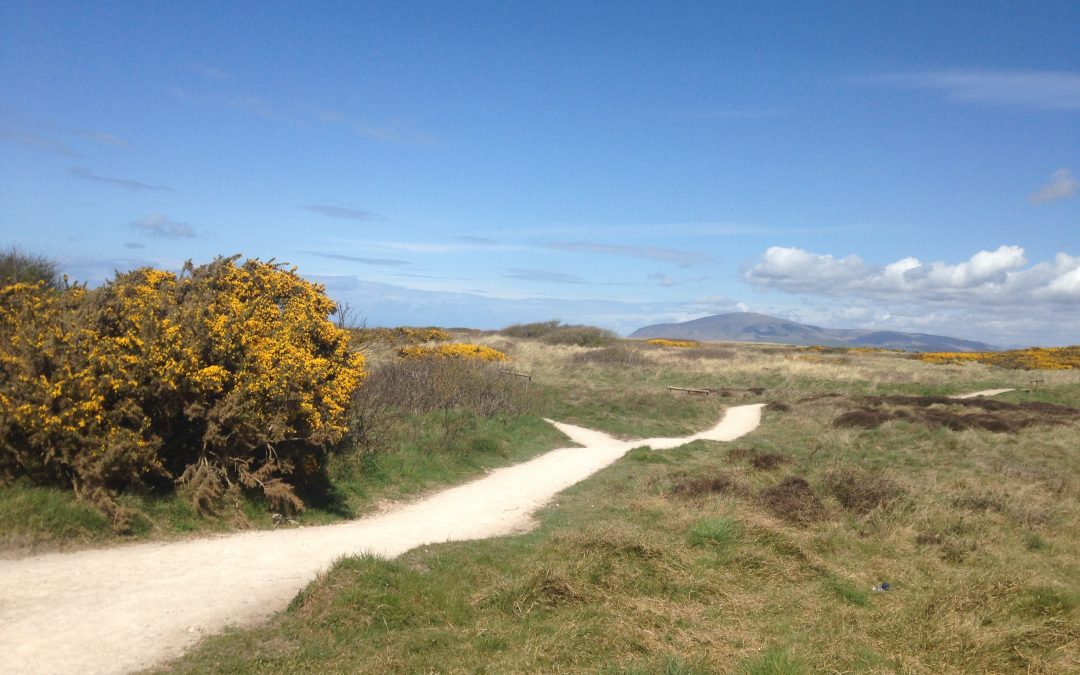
x=751 y=327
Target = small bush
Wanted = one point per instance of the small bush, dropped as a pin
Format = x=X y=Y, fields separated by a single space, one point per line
x=793 y=500
x=457 y=350
x=556 y=333
x=533 y=331
x=23 y=268
x=581 y=336
x=861 y=491
x=693 y=486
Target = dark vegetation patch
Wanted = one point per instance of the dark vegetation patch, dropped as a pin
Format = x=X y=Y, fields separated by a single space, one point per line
x=819 y=397
x=767 y=461
x=711 y=484
x=865 y=419
x=956 y=414
x=794 y=501
x=861 y=491
x=777 y=406
x=740 y=454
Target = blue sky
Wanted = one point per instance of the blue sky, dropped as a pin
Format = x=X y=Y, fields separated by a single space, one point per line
x=908 y=166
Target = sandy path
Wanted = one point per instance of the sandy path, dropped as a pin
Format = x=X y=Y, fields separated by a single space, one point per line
x=984 y=392
x=126 y=608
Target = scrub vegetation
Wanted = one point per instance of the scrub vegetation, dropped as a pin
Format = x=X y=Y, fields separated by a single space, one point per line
x=758 y=556
x=770 y=554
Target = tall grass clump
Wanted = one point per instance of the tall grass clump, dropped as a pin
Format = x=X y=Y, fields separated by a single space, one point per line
x=221 y=379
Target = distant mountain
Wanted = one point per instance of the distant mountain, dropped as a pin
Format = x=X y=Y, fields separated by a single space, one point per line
x=751 y=327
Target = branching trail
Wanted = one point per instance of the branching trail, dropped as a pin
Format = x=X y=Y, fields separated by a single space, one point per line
x=126 y=608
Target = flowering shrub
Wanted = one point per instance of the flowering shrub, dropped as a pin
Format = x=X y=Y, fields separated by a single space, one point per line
x=223 y=377
x=456 y=350
x=1035 y=358
x=683 y=344
x=401 y=335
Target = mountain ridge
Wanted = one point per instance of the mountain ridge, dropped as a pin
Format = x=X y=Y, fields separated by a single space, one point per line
x=753 y=327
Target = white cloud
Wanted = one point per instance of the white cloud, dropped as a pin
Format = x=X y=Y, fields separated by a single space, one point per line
x=1062 y=185
x=1044 y=90
x=999 y=277
x=159 y=225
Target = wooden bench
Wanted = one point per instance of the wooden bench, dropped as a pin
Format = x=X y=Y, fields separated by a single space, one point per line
x=704 y=392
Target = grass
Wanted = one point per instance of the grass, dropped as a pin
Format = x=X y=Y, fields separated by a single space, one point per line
x=702 y=559
x=679 y=561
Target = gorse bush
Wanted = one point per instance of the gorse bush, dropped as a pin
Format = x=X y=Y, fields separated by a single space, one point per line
x=1034 y=358
x=457 y=350
x=401 y=335
x=683 y=344
x=223 y=378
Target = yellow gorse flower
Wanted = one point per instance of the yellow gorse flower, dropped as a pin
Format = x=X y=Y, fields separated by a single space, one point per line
x=682 y=344
x=153 y=371
x=1035 y=358
x=453 y=351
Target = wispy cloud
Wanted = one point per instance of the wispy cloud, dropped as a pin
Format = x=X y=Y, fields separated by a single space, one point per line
x=545 y=276
x=160 y=225
x=389 y=131
x=303 y=117
x=343 y=212
x=681 y=258
x=1045 y=90
x=134 y=244
x=384 y=262
x=210 y=72
x=733 y=114
x=101 y=137
x=1062 y=185
x=37 y=141
x=86 y=174
x=661 y=279
x=440 y=248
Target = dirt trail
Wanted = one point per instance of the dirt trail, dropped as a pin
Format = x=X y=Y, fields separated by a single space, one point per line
x=984 y=392
x=126 y=608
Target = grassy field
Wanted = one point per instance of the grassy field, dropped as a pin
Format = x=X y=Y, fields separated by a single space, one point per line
x=758 y=556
